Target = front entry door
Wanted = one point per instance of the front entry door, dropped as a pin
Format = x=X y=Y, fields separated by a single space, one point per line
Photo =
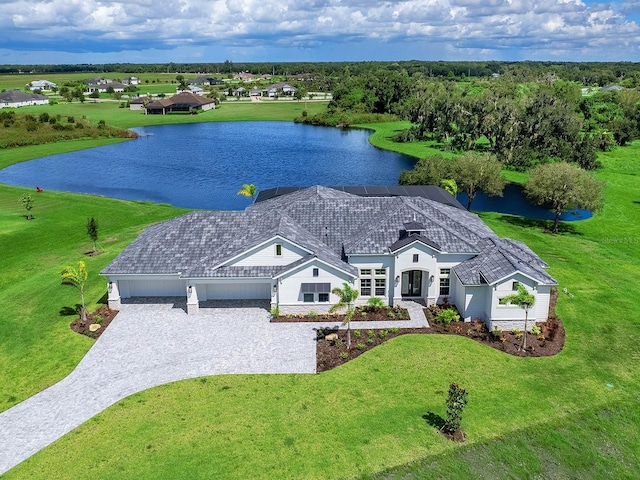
x=412 y=283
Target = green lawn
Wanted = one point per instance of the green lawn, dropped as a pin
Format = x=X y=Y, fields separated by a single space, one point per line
x=570 y=416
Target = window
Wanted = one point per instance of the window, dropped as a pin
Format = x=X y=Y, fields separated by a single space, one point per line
x=308 y=297
x=365 y=271
x=514 y=286
x=323 y=297
x=381 y=271
x=415 y=258
x=381 y=283
x=316 y=272
x=278 y=250
x=444 y=281
x=365 y=287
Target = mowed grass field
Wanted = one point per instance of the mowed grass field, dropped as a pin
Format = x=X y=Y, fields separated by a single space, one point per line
x=575 y=415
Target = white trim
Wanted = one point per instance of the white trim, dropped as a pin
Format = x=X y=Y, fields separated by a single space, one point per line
x=257 y=246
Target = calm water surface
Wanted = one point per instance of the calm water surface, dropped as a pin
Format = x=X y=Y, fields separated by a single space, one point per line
x=203 y=165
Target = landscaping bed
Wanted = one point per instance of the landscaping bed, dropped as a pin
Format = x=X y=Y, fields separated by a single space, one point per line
x=101 y=317
x=364 y=313
x=332 y=351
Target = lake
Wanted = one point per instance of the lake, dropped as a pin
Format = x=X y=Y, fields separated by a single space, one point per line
x=203 y=165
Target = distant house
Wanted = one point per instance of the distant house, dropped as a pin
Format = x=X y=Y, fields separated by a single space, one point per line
x=239 y=92
x=255 y=92
x=139 y=103
x=279 y=89
x=245 y=77
x=182 y=102
x=102 y=85
x=131 y=81
x=205 y=81
x=42 y=85
x=16 y=98
x=192 y=89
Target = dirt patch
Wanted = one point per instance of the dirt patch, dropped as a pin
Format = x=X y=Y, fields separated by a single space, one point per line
x=102 y=317
x=332 y=350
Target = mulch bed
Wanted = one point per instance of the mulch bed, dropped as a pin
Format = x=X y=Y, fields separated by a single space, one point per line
x=363 y=313
x=83 y=328
x=332 y=353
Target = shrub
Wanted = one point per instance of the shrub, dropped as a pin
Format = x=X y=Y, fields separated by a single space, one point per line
x=383 y=333
x=391 y=315
x=456 y=401
x=447 y=316
x=394 y=330
x=535 y=330
x=497 y=332
x=275 y=311
x=370 y=341
x=515 y=331
x=357 y=333
x=375 y=302
x=312 y=314
x=371 y=333
x=98 y=319
x=360 y=346
x=343 y=355
x=363 y=314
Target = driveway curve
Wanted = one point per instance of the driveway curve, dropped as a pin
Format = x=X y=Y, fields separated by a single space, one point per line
x=146 y=345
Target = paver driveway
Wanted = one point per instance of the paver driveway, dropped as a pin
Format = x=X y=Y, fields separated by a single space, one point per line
x=147 y=345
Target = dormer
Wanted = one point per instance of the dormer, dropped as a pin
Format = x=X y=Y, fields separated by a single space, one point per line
x=414 y=228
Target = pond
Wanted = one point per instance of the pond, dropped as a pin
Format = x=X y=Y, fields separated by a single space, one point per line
x=203 y=165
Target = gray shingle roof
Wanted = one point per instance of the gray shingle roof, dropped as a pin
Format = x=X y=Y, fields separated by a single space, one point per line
x=330 y=225
x=500 y=258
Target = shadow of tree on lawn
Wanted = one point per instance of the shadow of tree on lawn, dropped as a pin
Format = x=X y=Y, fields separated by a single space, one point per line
x=545 y=225
x=434 y=420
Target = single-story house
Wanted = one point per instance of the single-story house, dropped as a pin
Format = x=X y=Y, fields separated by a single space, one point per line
x=244 y=76
x=255 y=92
x=131 y=81
x=101 y=85
x=41 y=85
x=278 y=89
x=206 y=81
x=16 y=98
x=182 y=102
x=139 y=103
x=193 y=89
x=294 y=245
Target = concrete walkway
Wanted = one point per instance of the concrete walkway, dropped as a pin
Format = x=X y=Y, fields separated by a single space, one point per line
x=148 y=345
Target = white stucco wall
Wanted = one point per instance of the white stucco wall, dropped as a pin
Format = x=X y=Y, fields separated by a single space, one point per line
x=265 y=255
x=289 y=296
x=373 y=263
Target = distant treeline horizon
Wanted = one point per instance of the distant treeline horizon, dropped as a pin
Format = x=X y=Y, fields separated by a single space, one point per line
x=587 y=73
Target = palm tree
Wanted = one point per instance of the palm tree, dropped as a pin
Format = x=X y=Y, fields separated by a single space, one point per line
x=248 y=190
x=522 y=299
x=77 y=278
x=347 y=296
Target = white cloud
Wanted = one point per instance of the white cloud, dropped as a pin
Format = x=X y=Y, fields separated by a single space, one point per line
x=461 y=26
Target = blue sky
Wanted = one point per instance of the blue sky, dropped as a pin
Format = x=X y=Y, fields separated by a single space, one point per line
x=155 y=31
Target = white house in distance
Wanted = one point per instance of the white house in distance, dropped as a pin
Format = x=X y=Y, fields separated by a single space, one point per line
x=41 y=85
x=294 y=245
x=16 y=98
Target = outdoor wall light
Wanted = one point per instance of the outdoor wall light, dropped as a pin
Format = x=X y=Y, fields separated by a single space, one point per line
x=190 y=289
x=397 y=278
x=110 y=286
x=275 y=288
x=432 y=278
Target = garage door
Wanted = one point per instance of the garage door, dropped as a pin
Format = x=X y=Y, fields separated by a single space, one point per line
x=155 y=288
x=240 y=291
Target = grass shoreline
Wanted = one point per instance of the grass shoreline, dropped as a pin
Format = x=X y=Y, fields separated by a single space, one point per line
x=553 y=417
